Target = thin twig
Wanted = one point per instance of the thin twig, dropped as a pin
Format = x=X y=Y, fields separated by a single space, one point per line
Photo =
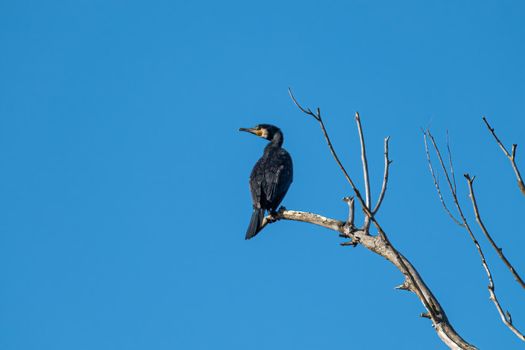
x=317 y=116
x=489 y=237
x=350 y=201
x=491 y=286
x=350 y=222
x=436 y=184
x=450 y=163
x=306 y=111
x=385 y=178
x=364 y=162
x=440 y=158
x=511 y=156
x=507 y=320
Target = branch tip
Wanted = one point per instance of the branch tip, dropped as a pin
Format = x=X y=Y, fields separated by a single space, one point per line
x=425 y=315
x=349 y=243
x=350 y=202
x=511 y=156
x=404 y=286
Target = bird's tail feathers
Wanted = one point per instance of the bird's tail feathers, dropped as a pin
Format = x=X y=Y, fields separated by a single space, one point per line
x=255 y=222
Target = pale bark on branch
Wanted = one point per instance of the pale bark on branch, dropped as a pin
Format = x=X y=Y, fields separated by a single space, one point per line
x=380 y=243
x=413 y=281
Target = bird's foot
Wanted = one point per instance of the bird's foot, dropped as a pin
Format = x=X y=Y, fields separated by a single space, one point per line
x=272 y=217
x=275 y=215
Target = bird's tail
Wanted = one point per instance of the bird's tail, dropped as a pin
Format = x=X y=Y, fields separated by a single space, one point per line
x=255 y=222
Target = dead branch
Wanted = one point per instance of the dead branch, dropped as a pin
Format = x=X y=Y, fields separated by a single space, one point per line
x=511 y=156
x=450 y=163
x=385 y=178
x=436 y=182
x=364 y=162
x=350 y=201
x=317 y=116
x=379 y=244
x=505 y=317
x=413 y=281
x=465 y=224
x=498 y=250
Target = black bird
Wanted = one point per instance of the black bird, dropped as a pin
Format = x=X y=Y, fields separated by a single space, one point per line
x=271 y=176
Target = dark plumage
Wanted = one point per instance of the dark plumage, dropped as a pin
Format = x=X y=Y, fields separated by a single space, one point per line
x=271 y=176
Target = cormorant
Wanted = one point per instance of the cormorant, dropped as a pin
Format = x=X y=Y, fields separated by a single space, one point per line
x=271 y=176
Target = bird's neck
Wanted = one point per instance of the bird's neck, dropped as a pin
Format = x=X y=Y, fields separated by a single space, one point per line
x=277 y=140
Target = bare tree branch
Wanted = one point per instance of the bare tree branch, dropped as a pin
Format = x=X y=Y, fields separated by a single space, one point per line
x=413 y=281
x=466 y=225
x=317 y=116
x=350 y=221
x=511 y=156
x=486 y=232
x=350 y=201
x=436 y=183
x=380 y=244
x=364 y=162
x=450 y=164
x=506 y=318
x=443 y=167
x=369 y=215
x=385 y=178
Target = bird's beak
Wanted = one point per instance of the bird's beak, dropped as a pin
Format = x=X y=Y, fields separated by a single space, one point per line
x=250 y=130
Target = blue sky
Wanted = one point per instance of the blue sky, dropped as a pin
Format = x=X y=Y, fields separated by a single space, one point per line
x=124 y=179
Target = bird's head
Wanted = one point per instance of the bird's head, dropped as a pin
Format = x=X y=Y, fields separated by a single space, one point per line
x=266 y=131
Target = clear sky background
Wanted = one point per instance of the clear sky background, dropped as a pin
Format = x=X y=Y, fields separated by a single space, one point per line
x=124 y=179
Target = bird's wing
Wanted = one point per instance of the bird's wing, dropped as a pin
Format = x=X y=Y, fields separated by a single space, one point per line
x=256 y=182
x=273 y=183
x=280 y=181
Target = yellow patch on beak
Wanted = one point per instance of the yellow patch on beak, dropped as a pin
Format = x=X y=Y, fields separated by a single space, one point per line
x=262 y=133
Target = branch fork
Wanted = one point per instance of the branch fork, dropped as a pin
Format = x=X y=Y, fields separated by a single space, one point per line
x=379 y=244
x=464 y=223
x=511 y=156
